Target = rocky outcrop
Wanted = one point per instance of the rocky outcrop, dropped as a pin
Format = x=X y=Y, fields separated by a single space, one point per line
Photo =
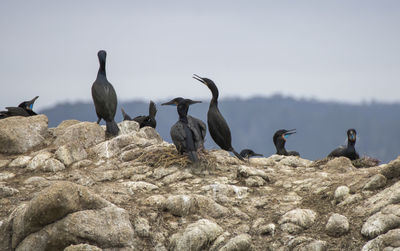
x=78 y=190
x=21 y=134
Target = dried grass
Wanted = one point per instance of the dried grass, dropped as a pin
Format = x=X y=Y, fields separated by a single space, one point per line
x=365 y=161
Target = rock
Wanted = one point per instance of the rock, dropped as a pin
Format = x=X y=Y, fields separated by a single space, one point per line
x=302 y=243
x=222 y=191
x=37 y=181
x=150 y=133
x=52 y=165
x=21 y=134
x=390 y=195
x=294 y=161
x=7 y=191
x=21 y=161
x=156 y=201
x=375 y=182
x=254 y=181
x=6 y=176
x=247 y=171
x=70 y=153
x=128 y=127
x=339 y=165
x=260 y=227
x=392 y=169
x=142 y=227
x=390 y=239
x=85 y=134
x=341 y=193
x=239 y=243
x=381 y=222
x=297 y=220
x=4 y=163
x=351 y=199
x=60 y=129
x=337 y=225
x=38 y=161
x=82 y=247
x=134 y=186
x=197 y=236
x=65 y=214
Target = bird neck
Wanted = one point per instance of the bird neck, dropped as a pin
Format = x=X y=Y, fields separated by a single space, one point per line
x=351 y=144
x=102 y=68
x=182 y=111
x=280 y=147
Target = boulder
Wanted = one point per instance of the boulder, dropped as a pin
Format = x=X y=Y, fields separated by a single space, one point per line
x=297 y=220
x=82 y=247
x=22 y=134
x=128 y=127
x=65 y=214
x=21 y=161
x=339 y=165
x=6 y=176
x=375 y=182
x=39 y=160
x=381 y=222
x=197 y=236
x=392 y=169
x=337 y=225
x=85 y=134
x=387 y=241
x=241 y=242
x=70 y=153
x=60 y=129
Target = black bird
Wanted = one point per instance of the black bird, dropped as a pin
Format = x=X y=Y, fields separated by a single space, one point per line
x=182 y=135
x=248 y=153
x=219 y=129
x=143 y=121
x=350 y=150
x=279 y=139
x=197 y=126
x=104 y=97
x=24 y=109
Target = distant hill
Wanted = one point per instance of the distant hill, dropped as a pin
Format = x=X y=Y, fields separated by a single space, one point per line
x=321 y=126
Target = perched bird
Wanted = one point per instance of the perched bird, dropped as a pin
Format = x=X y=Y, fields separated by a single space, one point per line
x=248 y=153
x=104 y=97
x=143 y=121
x=24 y=109
x=279 y=139
x=197 y=126
x=350 y=150
x=182 y=135
x=219 y=129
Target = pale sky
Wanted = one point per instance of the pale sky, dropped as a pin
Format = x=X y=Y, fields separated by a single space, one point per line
x=329 y=50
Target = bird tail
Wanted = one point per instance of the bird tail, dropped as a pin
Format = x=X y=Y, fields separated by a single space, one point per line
x=126 y=116
x=112 y=128
x=152 y=109
x=193 y=156
x=237 y=155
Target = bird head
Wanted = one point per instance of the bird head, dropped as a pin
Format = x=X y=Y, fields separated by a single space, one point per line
x=283 y=134
x=174 y=101
x=352 y=135
x=28 y=105
x=209 y=83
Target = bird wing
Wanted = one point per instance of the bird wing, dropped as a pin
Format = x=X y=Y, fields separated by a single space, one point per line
x=178 y=136
x=219 y=129
x=337 y=152
x=16 y=111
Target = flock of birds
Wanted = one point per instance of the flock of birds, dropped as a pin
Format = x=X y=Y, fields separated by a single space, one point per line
x=188 y=132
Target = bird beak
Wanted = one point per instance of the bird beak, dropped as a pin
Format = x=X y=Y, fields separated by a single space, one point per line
x=289 y=132
x=197 y=77
x=191 y=102
x=172 y=102
x=30 y=103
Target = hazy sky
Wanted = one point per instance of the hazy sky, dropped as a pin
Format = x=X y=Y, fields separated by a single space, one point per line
x=330 y=50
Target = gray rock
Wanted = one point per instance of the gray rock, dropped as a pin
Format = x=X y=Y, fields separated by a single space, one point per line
x=142 y=227
x=254 y=181
x=52 y=165
x=7 y=191
x=337 y=225
x=65 y=214
x=70 y=153
x=339 y=165
x=21 y=134
x=351 y=199
x=294 y=161
x=241 y=242
x=37 y=181
x=4 y=163
x=85 y=134
x=138 y=186
x=381 y=222
x=60 y=129
x=38 y=161
x=375 y=182
x=392 y=169
x=341 y=193
x=197 y=236
x=390 y=239
x=128 y=127
x=297 y=220
x=6 y=176
x=390 y=195
x=302 y=243
x=82 y=247
x=218 y=190
x=247 y=171
x=21 y=161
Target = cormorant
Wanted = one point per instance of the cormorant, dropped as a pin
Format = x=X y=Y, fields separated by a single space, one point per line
x=279 y=139
x=24 y=109
x=197 y=126
x=104 y=97
x=182 y=135
x=248 y=153
x=219 y=129
x=143 y=121
x=350 y=150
